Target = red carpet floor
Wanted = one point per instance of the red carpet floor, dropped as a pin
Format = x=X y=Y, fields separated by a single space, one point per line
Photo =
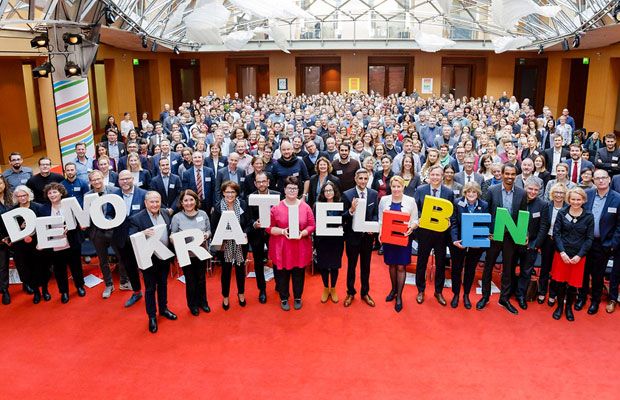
x=96 y=349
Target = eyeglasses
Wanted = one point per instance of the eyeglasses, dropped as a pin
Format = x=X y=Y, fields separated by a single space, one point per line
x=292 y=188
x=329 y=191
x=230 y=192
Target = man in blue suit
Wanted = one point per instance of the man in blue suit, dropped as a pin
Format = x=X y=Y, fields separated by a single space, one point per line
x=199 y=173
x=512 y=198
x=576 y=164
x=134 y=201
x=174 y=158
x=604 y=204
x=429 y=240
x=168 y=186
x=132 y=147
x=359 y=244
x=229 y=173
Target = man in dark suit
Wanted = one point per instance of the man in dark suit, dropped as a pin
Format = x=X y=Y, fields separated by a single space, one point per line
x=174 y=158
x=555 y=155
x=429 y=240
x=115 y=149
x=359 y=244
x=229 y=173
x=201 y=180
x=134 y=200
x=258 y=238
x=132 y=147
x=168 y=186
x=468 y=174
x=155 y=277
x=576 y=164
x=608 y=157
x=536 y=232
x=508 y=196
x=313 y=155
x=604 y=204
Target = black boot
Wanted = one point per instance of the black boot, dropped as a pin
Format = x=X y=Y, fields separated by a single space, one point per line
x=570 y=299
x=557 y=314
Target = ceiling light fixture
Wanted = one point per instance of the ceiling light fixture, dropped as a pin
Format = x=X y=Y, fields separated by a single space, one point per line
x=72 y=69
x=43 y=71
x=72 y=39
x=576 y=41
x=40 y=41
x=565 y=45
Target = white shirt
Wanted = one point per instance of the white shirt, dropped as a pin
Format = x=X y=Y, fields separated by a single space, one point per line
x=557 y=158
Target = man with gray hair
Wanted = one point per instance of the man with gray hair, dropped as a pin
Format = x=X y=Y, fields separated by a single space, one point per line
x=527 y=173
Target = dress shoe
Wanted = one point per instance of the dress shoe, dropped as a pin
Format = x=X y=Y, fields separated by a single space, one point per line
x=333 y=295
x=440 y=299
x=593 y=309
x=37 y=297
x=611 y=306
x=168 y=315
x=205 y=307
x=125 y=286
x=420 y=298
x=580 y=304
x=522 y=303
x=398 y=307
x=46 y=295
x=225 y=305
x=325 y=295
x=390 y=297
x=262 y=297
x=242 y=303
x=284 y=305
x=27 y=289
x=153 y=325
x=133 y=299
x=297 y=304
x=64 y=298
x=551 y=301
x=455 y=301
x=368 y=300
x=482 y=303
x=6 y=297
x=194 y=311
x=380 y=252
x=81 y=292
x=540 y=299
x=348 y=300
x=508 y=306
x=466 y=301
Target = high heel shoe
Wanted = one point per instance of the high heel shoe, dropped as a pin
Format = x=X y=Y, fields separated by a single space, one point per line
x=46 y=295
x=398 y=306
x=390 y=297
x=242 y=303
x=225 y=306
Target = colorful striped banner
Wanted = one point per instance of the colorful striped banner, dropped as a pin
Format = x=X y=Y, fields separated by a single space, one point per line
x=73 y=117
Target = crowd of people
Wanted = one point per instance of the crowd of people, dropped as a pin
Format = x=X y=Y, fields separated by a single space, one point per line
x=189 y=165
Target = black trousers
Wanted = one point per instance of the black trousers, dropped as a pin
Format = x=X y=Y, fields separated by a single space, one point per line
x=33 y=269
x=526 y=258
x=156 y=281
x=326 y=274
x=467 y=259
x=363 y=251
x=430 y=240
x=547 y=250
x=227 y=276
x=195 y=283
x=258 y=242
x=71 y=257
x=614 y=279
x=596 y=263
x=128 y=259
x=4 y=268
x=508 y=249
x=299 y=275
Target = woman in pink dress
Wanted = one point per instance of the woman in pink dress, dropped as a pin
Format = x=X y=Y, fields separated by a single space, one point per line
x=290 y=254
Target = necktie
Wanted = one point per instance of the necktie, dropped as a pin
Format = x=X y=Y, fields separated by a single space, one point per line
x=468 y=178
x=575 y=173
x=434 y=192
x=362 y=195
x=199 y=184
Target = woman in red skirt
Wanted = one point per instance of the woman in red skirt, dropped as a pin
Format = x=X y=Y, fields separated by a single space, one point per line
x=573 y=232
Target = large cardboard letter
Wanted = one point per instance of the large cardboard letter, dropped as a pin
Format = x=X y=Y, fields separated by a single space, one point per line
x=182 y=246
x=436 y=214
x=293 y=221
x=322 y=219
x=395 y=224
x=16 y=233
x=229 y=229
x=75 y=213
x=503 y=221
x=359 y=219
x=472 y=235
x=264 y=203
x=51 y=232
x=144 y=247
x=97 y=212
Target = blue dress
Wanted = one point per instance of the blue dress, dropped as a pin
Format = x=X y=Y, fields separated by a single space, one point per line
x=394 y=254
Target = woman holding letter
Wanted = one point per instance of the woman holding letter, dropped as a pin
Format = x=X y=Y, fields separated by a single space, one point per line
x=290 y=246
x=192 y=217
x=573 y=233
x=397 y=257
x=463 y=256
x=6 y=203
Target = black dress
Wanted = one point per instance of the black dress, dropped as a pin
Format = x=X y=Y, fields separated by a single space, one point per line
x=328 y=249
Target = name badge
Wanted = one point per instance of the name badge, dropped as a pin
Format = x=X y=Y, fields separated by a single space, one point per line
x=339 y=172
x=296 y=174
x=139 y=183
x=563 y=159
x=171 y=186
x=199 y=219
x=24 y=180
x=380 y=181
x=221 y=164
x=174 y=162
x=77 y=189
x=569 y=218
x=242 y=179
x=536 y=215
x=135 y=206
x=461 y=203
x=208 y=179
x=457 y=192
x=614 y=159
x=612 y=210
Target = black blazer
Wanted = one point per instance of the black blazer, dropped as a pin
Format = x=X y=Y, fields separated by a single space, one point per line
x=189 y=182
x=539 y=222
x=494 y=198
x=372 y=205
x=221 y=163
x=412 y=187
x=245 y=220
x=377 y=176
x=574 y=238
x=142 y=221
x=425 y=190
x=170 y=200
x=310 y=164
x=314 y=179
x=564 y=156
x=121 y=232
x=459 y=210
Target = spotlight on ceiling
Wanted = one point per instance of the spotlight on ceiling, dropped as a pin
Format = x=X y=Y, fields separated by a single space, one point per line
x=110 y=16
x=43 y=70
x=565 y=45
x=541 y=49
x=144 y=42
x=154 y=47
x=72 y=39
x=176 y=50
x=40 y=41
x=576 y=41
x=72 y=69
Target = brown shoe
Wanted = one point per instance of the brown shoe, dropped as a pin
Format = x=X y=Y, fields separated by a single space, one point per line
x=420 y=298
x=440 y=299
x=333 y=295
x=369 y=300
x=325 y=295
x=348 y=300
x=611 y=306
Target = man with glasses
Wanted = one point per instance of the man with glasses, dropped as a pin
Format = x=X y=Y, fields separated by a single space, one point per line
x=37 y=182
x=604 y=204
x=468 y=174
x=17 y=175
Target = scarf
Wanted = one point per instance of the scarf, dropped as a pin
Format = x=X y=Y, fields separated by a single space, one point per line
x=287 y=163
x=232 y=251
